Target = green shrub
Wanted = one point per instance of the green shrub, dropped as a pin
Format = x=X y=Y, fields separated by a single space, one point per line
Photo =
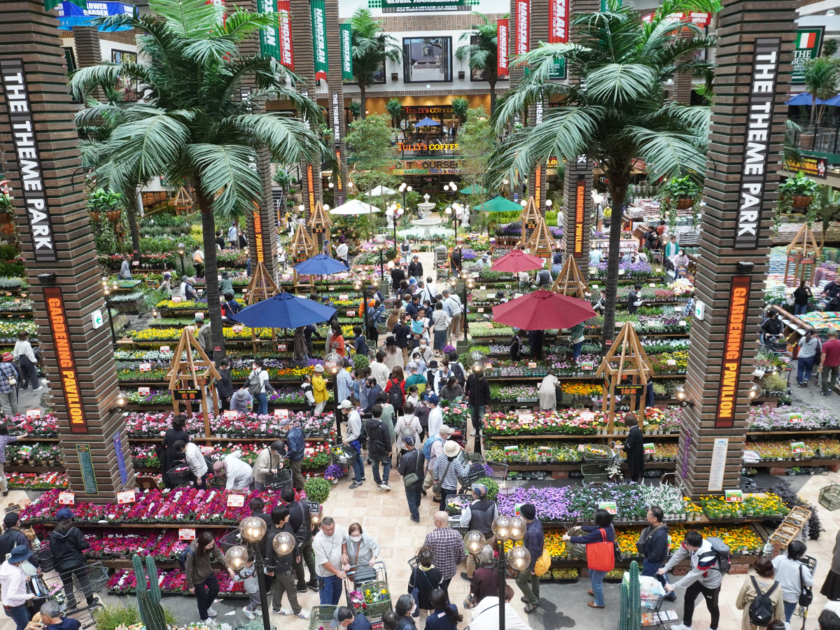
x=9 y=252
x=318 y=489
x=360 y=361
x=111 y=617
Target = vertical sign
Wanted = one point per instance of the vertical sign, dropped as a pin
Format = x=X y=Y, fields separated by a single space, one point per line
x=558 y=21
x=68 y=376
x=580 y=204
x=319 y=38
x=120 y=458
x=346 y=31
x=523 y=10
x=269 y=35
x=29 y=160
x=86 y=465
x=605 y=5
x=310 y=187
x=503 y=46
x=258 y=235
x=808 y=45
x=284 y=20
x=718 y=467
x=335 y=116
x=765 y=70
x=733 y=349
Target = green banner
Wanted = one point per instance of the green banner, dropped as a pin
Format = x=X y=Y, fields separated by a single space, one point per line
x=88 y=473
x=346 y=31
x=51 y=4
x=558 y=69
x=270 y=35
x=808 y=44
x=319 y=38
x=605 y=5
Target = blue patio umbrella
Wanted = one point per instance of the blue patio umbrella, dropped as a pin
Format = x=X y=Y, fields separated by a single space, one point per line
x=427 y=122
x=320 y=265
x=803 y=98
x=284 y=310
x=834 y=101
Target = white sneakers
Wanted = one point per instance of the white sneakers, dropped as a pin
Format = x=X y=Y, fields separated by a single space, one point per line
x=212 y=612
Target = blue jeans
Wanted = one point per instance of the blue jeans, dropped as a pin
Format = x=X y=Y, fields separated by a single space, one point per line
x=329 y=590
x=649 y=569
x=262 y=399
x=790 y=608
x=386 y=470
x=800 y=309
x=358 y=468
x=20 y=615
x=576 y=350
x=803 y=369
x=412 y=493
x=596 y=579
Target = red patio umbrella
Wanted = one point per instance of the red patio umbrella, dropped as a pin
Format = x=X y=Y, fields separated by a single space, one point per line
x=517 y=261
x=543 y=310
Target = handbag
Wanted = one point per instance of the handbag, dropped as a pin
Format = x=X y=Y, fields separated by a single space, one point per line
x=543 y=563
x=415 y=591
x=436 y=488
x=601 y=556
x=806 y=594
x=411 y=478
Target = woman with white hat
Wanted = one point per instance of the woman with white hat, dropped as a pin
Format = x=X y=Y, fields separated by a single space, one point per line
x=447 y=470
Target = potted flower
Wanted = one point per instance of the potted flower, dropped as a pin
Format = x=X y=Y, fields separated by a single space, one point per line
x=681 y=191
x=799 y=190
x=7 y=223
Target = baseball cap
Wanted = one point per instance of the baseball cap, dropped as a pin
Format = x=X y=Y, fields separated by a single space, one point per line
x=409 y=440
x=345 y=404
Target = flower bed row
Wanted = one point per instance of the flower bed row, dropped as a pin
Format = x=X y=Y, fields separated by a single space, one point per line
x=163 y=397
x=316 y=454
x=37 y=481
x=174 y=334
x=576 y=422
x=174 y=582
x=766 y=418
x=152 y=425
x=796 y=450
x=554 y=453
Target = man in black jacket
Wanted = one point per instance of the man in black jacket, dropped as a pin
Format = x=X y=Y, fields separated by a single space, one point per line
x=301 y=523
x=379 y=447
x=633 y=299
x=402 y=333
x=415 y=268
x=634 y=447
x=412 y=461
x=281 y=566
x=477 y=391
x=397 y=276
x=13 y=537
x=654 y=546
x=224 y=386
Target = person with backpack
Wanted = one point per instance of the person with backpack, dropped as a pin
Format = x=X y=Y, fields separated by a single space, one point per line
x=707 y=566
x=653 y=545
x=410 y=468
x=794 y=577
x=258 y=386
x=600 y=553
x=13 y=537
x=760 y=597
x=201 y=579
x=379 y=447
x=301 y=521
x=479 y=517
x=395 y=388
x=406 y=425
x=810 y=349
x=432 y=448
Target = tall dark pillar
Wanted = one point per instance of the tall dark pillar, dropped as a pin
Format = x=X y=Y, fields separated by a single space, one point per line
x=39 y=143
x=537 y=178
x=577 y=211
x=88 y=52
x=742 y=175
x=336 y=122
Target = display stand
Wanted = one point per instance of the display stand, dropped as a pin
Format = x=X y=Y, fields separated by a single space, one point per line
x=183 y=202
x=529 y=218
x=570 y=280
x=302 y=248
x=260 y=288
x=625 y=359
x=191 y=379
x=803 y=252
x=541 y=242
x=319 y=225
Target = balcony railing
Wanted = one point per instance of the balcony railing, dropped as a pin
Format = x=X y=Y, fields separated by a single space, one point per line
x=821 y=137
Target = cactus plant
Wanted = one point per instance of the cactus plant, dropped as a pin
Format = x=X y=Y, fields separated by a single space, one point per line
x=631 y=601
x=151 y=612
x=624 y=617
x=147 y=584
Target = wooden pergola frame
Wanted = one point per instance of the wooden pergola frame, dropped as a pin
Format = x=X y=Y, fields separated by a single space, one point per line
x=302 y=247
x=201 y=373
x=570 y=280
x=182 y=200
x=319 y=225
x=626 y=347
x=801 y=251
x=541 y=242
x=529 y=216
x=260 y=288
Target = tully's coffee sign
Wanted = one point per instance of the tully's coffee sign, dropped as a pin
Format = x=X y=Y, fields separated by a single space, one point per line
x=764 y=74
x=28 y=157
x=733 y=350
x=813 y=166
x=412 y=110
x=68 y=376
x=426 y=146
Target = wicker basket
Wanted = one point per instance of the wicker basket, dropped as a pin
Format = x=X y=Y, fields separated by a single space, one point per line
x=830 y=497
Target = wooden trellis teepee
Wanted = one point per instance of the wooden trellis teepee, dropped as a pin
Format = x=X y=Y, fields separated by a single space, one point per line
x=541 y=242
x=193 y=379
x=319 y=224
x=626 y=370
x=529 y=218
x=183 y=202
x=802 y=252
x=261 y=287
x=302 y=248
x=570 y=280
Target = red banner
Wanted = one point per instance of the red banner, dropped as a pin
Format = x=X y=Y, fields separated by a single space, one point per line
x=700 y=18
x=558 y=21
x=503 y=44
x=523 y=11
x=284 y=16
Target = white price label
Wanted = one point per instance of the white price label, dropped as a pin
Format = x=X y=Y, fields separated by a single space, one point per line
x=235 y=500
x=238 y=329
x=481 y=310
x=143 y=391
x=683 y=322
x=199 y=316
x=186 y=534
x=532 y=365
x=586 y=416
x=164 y=349
x=621 y=272
x=281 y=347
x=526 y=418
x=351 y=313
x=483 y=288
x=594 y=286
x=344 y=297
x=677 y=309
x=230 y=414
x=281 y=413
x=671 y=362
x=145 y=367
x=33 y=413
x=176 y=299
x=66 y=498
x=125 y=497
x=652 y=285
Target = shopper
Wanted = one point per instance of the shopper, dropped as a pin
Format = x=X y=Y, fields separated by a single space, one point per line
x=379 y=370
x=224 y=385
x=424 y=580
x=379 y=447
x=576 y=337
x=404 y=609
x=166 y=284
x=485 y=579
x=362 y=549
x=479 y=516
x=259 y=387
x=704 y=577
x=295 y=450
x=831 y=587
x=444 y=616
x=435 y=415
x=9 y=379
x=454 y=310
x=66 y=546
x=415 y=268
x=230 y=307
x=654 y=546
x=452 y=389
x=634 y=300
x=12 y=536
x=434 y=447
x=5 y=438
x=26 y=357
x=801 y=296
x=534 y=541
x=330 y=548
x=301 y=522
x=51 y=618
x=830 y=363
x=809 y=351
x=198 y=261
x=793 y=576
x=239 y=475
x=393 y=355
x=477 y=391
x=251 y=584
x=14 y=592
x=166 y=453
x=395 y=388
x=343 y=618
x=407 y=425
x=241 y=401
x=634 y=447
x=485 y=616
x=763 y=583
x=201 y=579
x=125 y=270
x=411 y=469
x=371 y=393
x=257 y=505
x=536 y=339
x=440 y=327
x=204 y=336
x=547 y=392
x=268 y=461
x=196 y=462
x=351 y=439
x=281 y=567
x=447 y=548
x=447 y=470
x=319 y=390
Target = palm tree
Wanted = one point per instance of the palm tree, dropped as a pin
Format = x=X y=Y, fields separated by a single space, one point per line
x=192 y=124
x=822 y=76
x=394 y=107
x=482 y=53
x=371 y=47
x=460 y=107
x=622 y=113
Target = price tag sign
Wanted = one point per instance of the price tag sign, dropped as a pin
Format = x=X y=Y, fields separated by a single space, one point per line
x=488 y=366
x=481 y=310
x=683 y=322
x=526 y=418
x=532 y=365
x=759 y=373
x=230 y=414
x=351 y=313
x=586 y=416
x=164 y=349
x=281 y=413
x=677 y=309
x=186 y=534
x=33 y=413
x=594 y=286
x=145 y=367
x=587 y=365
x=238 y=329
x=125 y=497
x=652 y=285
x=483 y=288
x=176 y=299
x=650 y=448
x=609 y=506
x=671 y=362
x=545 y=450
x=511 y=450
x=621 y=272
x=344 y=297
x=235 y=500
x=734 y=496
x=793 y=417
x=143 y=391
x=199 y=316
x=332 y=288
x=66 y=498
x=281 y=347
x=797 y=447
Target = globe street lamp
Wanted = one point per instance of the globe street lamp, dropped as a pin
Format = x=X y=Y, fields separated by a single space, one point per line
x=518 y=558
x=182 y=249
x=404 y=188
x=333 y=362
x=252 y=530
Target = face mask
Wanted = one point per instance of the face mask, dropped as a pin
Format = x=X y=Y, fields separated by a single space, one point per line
x=355 y=538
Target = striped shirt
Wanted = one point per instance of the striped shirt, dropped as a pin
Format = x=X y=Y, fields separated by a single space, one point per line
x=450 y=482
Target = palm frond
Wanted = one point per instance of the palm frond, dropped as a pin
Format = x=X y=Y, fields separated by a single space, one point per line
x=191 y=19
x=667 y=154
x=288 y=139
x=620 y=83
x=208 y=51
x=225 y=174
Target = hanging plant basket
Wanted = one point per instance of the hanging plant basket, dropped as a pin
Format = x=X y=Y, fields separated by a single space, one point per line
x=684 y=203
x=113 y=216
x=801 y=201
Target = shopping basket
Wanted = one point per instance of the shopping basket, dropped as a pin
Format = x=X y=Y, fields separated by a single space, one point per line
x=321 y=617
x=279 y=480
x=45 y=559
x=344 y=455
x=596 y=453
x=594 y=473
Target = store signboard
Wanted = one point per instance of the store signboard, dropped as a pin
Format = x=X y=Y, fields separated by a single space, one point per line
x=284 y=20
x=346 y=31
x=700 y=18
x=258 y=237
x=66 y=359
x=733 y=350
x=269 y=35
x=319 y=38
x=503 y=46
x=558 y=21
x=765 y=70
x=812 y=166
x=523 y=23
x=580 y=205
x=419 y=6
x=433 y=147
x=428 y=167
x=808 y=45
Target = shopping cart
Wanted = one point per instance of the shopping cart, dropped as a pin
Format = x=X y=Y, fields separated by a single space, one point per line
x=367 y=591
x=71 y=589
x=279 y=480
x=44 y=559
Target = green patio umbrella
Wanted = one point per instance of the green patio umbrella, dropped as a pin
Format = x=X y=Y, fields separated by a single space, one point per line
x=474 y=189
x=498 y=204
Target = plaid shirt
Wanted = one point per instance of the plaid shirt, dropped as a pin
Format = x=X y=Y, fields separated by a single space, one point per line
x=7 y=371
x=448 y=550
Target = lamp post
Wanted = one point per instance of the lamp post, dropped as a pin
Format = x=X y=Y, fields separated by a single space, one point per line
x=182 y=249
x=107 y=291
x=398 y=212
x=404 y=188
x=333 y=362
x=381 y=248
